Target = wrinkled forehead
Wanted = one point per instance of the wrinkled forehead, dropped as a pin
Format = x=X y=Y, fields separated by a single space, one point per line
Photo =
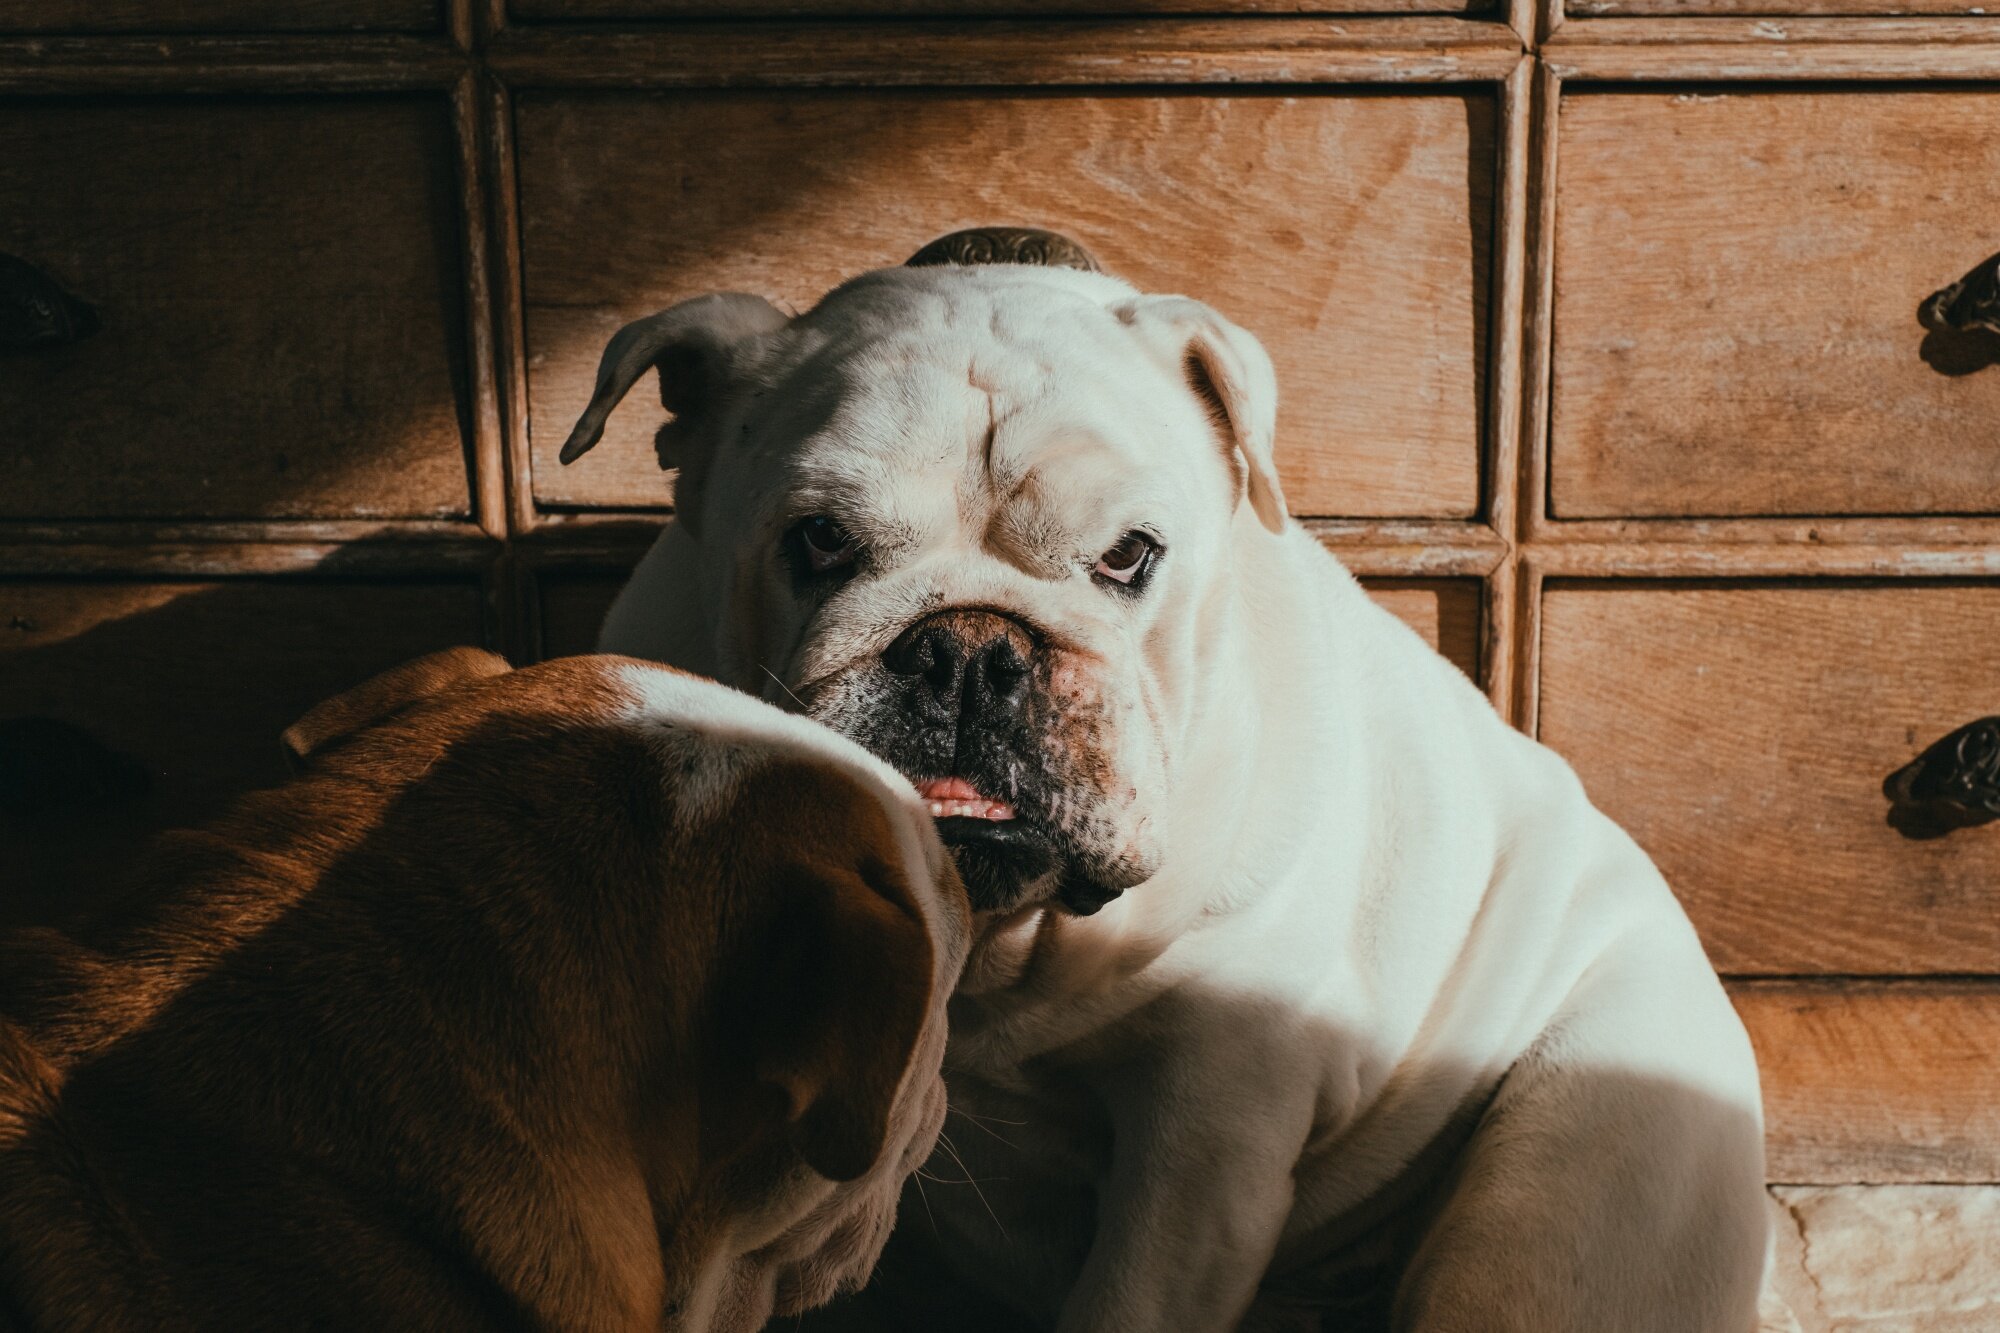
x=1010 y=406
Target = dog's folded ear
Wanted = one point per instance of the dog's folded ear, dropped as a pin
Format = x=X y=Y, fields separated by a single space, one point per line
x=842 y=1008
x=696 y=346
x=1229 y=371
x=388 y=693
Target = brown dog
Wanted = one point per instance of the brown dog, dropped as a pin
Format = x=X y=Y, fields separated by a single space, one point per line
x=585 y=996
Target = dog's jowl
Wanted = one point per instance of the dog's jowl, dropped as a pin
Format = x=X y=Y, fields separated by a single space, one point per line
x=1306 y=993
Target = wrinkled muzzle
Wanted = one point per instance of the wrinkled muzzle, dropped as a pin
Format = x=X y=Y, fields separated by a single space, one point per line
x=1015 y=747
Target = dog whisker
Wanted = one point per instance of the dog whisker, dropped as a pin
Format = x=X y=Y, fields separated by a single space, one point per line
x=981 y=1124
x=978 y=1119
x=945 y=1142
x=781 y=685
x=921 y=1194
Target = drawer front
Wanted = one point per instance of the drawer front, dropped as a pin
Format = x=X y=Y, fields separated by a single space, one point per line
x=1742 y=733
x=278 y=286
x=1736 y=304
x=1868 y=1082
x=1351 y=232
x=109 y=16
x=1445 y=611
x=192 y=682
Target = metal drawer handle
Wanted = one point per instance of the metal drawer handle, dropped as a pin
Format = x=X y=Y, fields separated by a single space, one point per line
x=1004 y=245
x=36 y=313
x=1954 y=784
x=1973 y=302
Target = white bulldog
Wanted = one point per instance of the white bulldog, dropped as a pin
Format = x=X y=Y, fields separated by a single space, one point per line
x=1309 y=992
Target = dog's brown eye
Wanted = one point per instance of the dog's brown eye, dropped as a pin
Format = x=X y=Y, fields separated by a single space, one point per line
x=1128 y=561
x=827 y=545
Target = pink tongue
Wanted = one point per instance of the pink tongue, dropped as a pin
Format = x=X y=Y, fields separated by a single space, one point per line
x=948 y=789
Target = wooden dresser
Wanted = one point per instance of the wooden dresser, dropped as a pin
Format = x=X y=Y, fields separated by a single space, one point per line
x=1605 y=340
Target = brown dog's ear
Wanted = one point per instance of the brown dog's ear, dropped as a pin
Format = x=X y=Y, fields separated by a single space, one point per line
x=1229 y=371
x=394 y=689
x=843 y=1008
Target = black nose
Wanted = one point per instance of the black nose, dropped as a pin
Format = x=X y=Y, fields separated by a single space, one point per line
x=964 y=664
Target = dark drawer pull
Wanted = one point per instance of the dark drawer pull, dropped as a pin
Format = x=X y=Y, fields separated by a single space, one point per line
x=36 y=313
x=1954 y=784
x=1004 y=245
x=1973 y=302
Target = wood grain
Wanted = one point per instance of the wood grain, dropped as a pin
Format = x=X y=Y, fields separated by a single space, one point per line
x=236 y=63
x=1763 y=8
x=1741 y=733
x=1810 y=540
x=489 y=445
x=1508 y=404
x=1740 y=58
x=510 y=343
x=1792 y=28
x=221 y=550
x=279 y=282
x=1402 y=547
x=1351 y=232
x=982 y=53
x=1722 y=557
x=112 y=16
x=195 y=680
x=1502 y=443
x=1735 y=303
x=614 y=10
x=1877 y=1082
x=1446 y=612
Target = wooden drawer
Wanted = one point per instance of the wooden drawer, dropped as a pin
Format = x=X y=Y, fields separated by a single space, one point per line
x=1031 y=9
x=1736 y=303
x=194 y=681
x=1351 y=231
x=1787 y=8
x=1445 y=611
x=1741 y=732
x=1869 y=1082
x=279 y=286
x=108 y=16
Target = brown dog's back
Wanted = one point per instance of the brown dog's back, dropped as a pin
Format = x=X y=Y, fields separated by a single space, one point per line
x=156 y=1163
x=498 y=1016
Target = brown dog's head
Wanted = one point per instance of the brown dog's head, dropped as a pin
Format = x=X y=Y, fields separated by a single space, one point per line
x=730 y=931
